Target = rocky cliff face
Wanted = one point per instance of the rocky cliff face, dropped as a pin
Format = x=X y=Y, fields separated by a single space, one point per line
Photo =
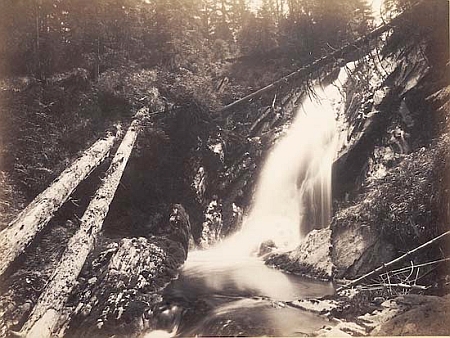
x=390 y=181
x=389 y=178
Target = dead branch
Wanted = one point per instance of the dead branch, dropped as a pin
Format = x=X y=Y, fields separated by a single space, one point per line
x=396 y=285
x=387 y=265
x=261 y=117
x=422 y=264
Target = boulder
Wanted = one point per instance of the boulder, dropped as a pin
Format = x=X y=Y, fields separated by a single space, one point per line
x=266 y=247
x=124 y=281
x=357 y=249
x=422 y=316
x=311 y=258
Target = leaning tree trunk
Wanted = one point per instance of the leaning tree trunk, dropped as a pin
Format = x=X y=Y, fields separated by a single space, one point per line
x=47 y=310
x=20 y=232
x=317 y=64
x=124 y=282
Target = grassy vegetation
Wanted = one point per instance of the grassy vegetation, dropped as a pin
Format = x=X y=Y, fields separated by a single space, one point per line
x=405 y=205
x=44 y=126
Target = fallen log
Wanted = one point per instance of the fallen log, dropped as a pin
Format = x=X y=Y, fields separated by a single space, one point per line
x=46 y=312
x=337 y=56
x=387 y=265
x=18 y=235
x=118 y=294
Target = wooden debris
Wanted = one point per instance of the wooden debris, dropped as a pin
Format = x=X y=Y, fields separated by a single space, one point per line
x=119 y=297
x=47 y=309
x=422 y=264
x=396 y=285
x=262 y=116
x=337 y=56
x=18 y=235
x=387 y=265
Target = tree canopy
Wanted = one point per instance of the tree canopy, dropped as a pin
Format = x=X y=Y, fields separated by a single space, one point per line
x=42 y=37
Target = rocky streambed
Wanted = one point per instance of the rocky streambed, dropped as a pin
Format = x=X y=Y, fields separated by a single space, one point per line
x=190 y=184
x=355 y=313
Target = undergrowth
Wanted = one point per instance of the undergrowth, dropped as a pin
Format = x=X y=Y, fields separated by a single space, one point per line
x=404 y=206
x=44 y=125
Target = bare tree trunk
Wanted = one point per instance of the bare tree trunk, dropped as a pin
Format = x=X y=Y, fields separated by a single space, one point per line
x=20 y=232
x=49 y=305
x=313 y=66
x=38 y=37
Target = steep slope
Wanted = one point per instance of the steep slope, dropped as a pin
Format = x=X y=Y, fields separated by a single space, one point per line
x=390 y=176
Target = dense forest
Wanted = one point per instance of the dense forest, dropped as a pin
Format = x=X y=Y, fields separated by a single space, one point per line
x=48 y=37
x=94 y=62
x=150 y=97
x=206 y=53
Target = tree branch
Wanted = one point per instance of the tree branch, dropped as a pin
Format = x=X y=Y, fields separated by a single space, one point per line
x=387 y=265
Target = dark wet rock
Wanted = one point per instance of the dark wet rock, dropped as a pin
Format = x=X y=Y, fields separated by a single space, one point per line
x=378 y=300
x=122 y=283
x=178 y=228
x=357 y=249
x=166 y=317
x=212 y=226
x=266 y=247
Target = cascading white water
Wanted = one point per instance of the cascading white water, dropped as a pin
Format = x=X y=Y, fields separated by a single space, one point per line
x=293 y=193
x=293 y=196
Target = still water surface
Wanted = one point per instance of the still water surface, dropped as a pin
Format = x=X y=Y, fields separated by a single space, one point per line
x=239 y=298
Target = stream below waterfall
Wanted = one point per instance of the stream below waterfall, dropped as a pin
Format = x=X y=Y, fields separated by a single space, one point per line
x=244 y=298
x=227 y=290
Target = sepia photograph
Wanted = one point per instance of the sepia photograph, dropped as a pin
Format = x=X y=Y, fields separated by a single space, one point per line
x=224 y=168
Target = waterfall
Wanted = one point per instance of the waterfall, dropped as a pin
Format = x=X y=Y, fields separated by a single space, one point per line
x=293 y=196
x=293 y=192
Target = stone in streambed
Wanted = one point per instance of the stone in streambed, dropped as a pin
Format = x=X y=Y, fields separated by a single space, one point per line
x=266 y=247
x=126 y=280
x=311 y=258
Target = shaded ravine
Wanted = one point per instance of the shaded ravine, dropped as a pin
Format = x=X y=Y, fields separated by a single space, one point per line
x=227 y=290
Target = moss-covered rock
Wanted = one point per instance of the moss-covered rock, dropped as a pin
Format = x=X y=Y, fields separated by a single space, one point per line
x=394 y=214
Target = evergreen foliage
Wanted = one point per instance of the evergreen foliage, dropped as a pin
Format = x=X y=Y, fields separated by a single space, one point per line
x=43 y=37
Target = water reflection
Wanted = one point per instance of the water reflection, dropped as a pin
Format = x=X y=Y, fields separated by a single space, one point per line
x=223 y=297
x=205 y=274
x=256 y=317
